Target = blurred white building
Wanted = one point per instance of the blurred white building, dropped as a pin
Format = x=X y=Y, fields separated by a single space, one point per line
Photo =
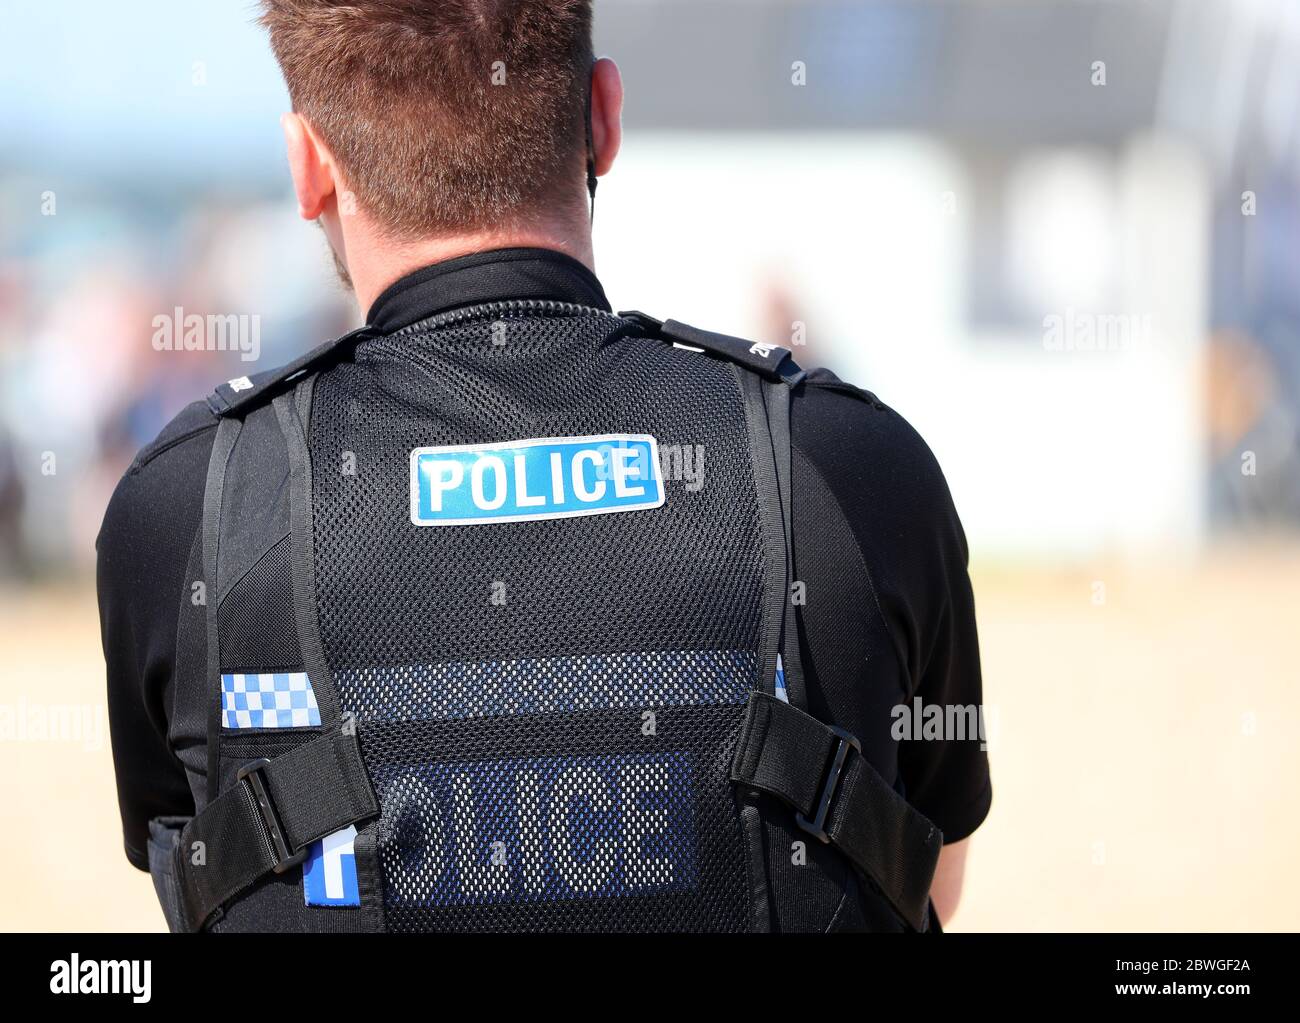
x=1074 y=434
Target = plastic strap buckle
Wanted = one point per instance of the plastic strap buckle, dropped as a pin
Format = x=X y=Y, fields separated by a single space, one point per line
x=817 y=826
x=285 y=857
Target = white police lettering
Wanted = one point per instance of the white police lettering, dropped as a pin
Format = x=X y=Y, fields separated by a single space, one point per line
x=540 y=478
x=498 y=467
x=532 y=859
x=597 y=490
x=623 y=472
x=477 y=875
x=640 y=822
x=591 y=873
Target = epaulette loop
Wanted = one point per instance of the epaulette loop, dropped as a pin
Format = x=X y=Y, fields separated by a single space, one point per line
x=770 y=361
x=241 y=392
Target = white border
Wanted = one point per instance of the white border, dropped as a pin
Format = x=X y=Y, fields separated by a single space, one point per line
x=533 y=442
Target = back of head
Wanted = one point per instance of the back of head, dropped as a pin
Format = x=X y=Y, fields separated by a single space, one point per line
x=444 y=116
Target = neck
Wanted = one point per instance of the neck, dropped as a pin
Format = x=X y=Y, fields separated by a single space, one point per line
x=374 y=262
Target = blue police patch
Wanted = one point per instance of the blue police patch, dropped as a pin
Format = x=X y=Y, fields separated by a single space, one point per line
x=540 y=478
x=329 y=874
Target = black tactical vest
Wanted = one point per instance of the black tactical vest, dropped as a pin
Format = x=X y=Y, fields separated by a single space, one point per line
x=498 y=638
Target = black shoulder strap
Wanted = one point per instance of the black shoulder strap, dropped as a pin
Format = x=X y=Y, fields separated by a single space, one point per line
x=816 y=769
x=213 y=499
x=768 y=373
x=235 y=395
x=277 y=808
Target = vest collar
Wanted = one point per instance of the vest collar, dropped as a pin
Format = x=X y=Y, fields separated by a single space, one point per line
x=482 y=277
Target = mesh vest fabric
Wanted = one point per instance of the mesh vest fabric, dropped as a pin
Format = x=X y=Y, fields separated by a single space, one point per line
x=547 y=708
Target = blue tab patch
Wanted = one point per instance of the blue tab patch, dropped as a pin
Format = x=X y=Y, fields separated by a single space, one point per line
x=329 y=875
x=542 y=478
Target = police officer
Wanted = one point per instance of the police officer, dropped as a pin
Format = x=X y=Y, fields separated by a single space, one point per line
x=506 y=611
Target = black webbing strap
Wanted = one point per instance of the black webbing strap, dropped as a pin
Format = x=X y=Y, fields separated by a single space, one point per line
x=840 y=799
x=267 y=821
x=291 y=408
x=213 y=497
x=277 y=808
x=776 y=400
x=767 y=485
x=766 y=375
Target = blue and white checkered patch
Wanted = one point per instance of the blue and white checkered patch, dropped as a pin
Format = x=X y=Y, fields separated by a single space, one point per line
x=279 y=699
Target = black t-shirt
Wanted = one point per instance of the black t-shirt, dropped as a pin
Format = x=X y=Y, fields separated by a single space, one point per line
x=909 y=635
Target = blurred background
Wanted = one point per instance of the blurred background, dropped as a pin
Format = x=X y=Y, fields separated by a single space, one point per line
x=1059 y=236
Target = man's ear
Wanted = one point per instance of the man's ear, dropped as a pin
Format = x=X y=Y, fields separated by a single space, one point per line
x=310 y=165
x=606 y=113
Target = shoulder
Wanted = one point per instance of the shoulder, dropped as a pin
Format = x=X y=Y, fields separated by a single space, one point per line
x=873 y=460
x=161 y=492
x=194 y=422
x=890 y=489
x=834 y=418
x=144 y=546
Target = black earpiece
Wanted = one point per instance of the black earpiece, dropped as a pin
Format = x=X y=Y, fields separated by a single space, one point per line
x=591 y=154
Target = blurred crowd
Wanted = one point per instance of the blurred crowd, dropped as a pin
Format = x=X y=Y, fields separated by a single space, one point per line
x=83 y=382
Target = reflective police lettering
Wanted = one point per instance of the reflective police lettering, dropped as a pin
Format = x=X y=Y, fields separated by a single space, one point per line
x=541 y=478
x=540 y=828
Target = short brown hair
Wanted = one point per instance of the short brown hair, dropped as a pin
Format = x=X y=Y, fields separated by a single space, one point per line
x=443 y=114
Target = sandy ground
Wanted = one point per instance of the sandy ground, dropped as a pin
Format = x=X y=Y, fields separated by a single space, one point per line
x=1145 y=742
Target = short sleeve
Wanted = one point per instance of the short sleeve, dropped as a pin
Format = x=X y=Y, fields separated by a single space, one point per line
x=898 y=505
